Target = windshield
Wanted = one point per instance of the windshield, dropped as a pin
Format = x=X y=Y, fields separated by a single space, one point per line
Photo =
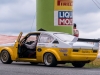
x=64 y=37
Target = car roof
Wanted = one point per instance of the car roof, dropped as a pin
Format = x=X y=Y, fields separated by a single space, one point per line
x=48 y=32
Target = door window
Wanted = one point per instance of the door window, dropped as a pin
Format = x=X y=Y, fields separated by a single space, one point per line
x=31 y=39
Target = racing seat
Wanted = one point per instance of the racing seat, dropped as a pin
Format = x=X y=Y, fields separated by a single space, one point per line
x=30 y=53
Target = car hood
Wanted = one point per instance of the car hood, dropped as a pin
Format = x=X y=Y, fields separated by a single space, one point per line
x=84 y=45
x=7 y=44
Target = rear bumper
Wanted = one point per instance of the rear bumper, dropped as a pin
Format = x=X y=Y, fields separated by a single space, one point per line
x=83 y=58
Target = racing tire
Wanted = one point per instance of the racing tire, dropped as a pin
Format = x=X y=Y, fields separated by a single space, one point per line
x=78 y=64
x=49 y=60
x=33 y=63
x=5 y=57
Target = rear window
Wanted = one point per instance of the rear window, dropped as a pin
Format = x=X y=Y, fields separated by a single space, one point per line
x=64 y=37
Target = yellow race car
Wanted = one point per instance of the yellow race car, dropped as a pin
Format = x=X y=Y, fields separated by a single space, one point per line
x=51 y=49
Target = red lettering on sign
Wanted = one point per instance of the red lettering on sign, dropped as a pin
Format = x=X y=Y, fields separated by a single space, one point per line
x=64 y=2
x=65 y=21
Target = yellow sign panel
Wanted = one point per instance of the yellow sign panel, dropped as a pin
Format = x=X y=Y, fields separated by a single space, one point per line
x=63 y=5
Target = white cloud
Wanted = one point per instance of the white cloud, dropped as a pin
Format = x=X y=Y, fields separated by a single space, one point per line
x=19 y=15
x=92 y=35
x=86 y=16
x=88 y=22
x=24 y=26
x=24 y=9
x=84 y=7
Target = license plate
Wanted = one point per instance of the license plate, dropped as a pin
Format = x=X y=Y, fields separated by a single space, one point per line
x=86 y=51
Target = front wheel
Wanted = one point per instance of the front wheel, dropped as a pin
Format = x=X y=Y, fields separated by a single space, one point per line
x=78 y=64
x=50 y=60
x=5 y=57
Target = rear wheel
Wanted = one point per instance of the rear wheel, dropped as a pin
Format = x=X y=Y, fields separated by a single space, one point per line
x=50 y=60
x=5 y=57
x=78 y=64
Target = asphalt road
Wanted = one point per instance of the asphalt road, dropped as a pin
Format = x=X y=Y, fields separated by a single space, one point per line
x=20 y=68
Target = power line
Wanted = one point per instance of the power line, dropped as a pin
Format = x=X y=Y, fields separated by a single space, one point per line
x=96 y=3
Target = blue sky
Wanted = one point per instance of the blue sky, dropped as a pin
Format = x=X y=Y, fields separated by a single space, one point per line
x=20 y=15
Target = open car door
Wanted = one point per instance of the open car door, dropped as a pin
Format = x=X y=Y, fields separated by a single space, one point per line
x=16 y=46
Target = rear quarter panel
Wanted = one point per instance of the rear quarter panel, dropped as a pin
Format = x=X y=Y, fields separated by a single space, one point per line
x=60 y=56
x=47 y=50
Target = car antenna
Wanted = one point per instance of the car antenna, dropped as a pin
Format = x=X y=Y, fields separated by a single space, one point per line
x=33 y=23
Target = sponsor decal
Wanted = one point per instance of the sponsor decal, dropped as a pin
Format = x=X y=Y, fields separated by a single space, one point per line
x=63 y=50
x=41 y=45
x=55 y=46
x=65 y=54
x=86 y=51
x=39 y=49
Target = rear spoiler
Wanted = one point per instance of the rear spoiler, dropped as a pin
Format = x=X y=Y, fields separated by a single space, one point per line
x=88 y=40
x=95 y=41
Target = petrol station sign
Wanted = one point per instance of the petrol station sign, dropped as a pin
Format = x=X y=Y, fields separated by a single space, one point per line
x=63 y=14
